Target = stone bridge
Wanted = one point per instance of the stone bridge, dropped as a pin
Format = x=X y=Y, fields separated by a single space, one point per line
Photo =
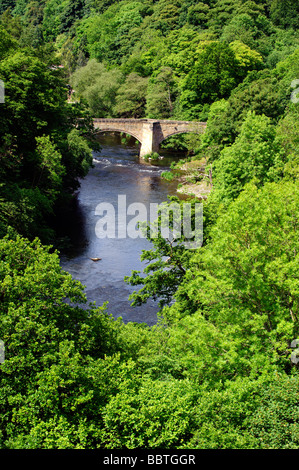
x=149 y=132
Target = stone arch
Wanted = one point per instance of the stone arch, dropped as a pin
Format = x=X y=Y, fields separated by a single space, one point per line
x=177 y=133
x=102 y=131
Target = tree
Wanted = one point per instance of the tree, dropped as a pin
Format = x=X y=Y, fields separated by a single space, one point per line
x=55 y=377
x=263 y=92
x=248 y=59
x=11 y=24
x=37 y=166
x=6 y=43
x=221 y=13
x=161 y=94
x=198 y=14
x=251 y=157
x=165 y=16
x=6 y=4
x=284 y=13
x=72 y=11
x=98 y=87
x=131 y=97
x=110 y=35
x=213 y=77
x=287 y=135
x=216 y=136
x=163 y=276
x=184 y=47
x=247 y=275
x=274 y=424
x=35 y=98
x=51 y=168
x=81 y=153
x=241 y=28
x=149 y=413
x=51 y=19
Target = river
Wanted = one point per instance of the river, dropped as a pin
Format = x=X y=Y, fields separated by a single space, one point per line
x=117 y=171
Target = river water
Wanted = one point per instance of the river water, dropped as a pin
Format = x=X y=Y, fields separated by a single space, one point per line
x=117 y=172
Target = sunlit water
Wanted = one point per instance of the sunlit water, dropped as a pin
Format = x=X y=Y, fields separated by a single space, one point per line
x=117 y=171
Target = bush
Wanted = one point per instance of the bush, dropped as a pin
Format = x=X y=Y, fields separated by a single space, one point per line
x=167 y=175
x=151 y=156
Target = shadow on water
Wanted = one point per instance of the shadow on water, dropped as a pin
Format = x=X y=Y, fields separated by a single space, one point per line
x=70 y=228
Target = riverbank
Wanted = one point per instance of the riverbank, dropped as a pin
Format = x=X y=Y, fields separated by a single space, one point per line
x=200 y=190
x=192 y=179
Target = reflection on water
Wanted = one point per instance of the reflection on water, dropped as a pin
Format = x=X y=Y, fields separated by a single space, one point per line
x=117 y=171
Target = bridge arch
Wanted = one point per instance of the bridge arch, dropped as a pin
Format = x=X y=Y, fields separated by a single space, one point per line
x=102 y=131
x=176 y=133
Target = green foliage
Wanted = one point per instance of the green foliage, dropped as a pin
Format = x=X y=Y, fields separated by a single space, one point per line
x=131 y=97
x=37 y=167
x=98 y=87
x=111 y=34
x=215 y=45
x=151 y=156
x=52 y=170
x=284 y=13
x=161 y=94
x=163 y=275
x=215 y=371
x=5 y=4
x=12 y=25
x=264 y=92
x=216 y=136
x=6 y=43
x=274 y=423
x=248 y=59
x=287 y=135
x=251 y=157
x=197 y=14
x=183 y=47
x=213 y=77
x=251 y=265
x=55 y=345
x=249 y=29
x=34 y=97
x=149 y=414
x=167 y=175
x=81 y=152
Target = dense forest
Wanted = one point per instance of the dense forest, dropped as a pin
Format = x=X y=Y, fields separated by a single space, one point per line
x=218 y=370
